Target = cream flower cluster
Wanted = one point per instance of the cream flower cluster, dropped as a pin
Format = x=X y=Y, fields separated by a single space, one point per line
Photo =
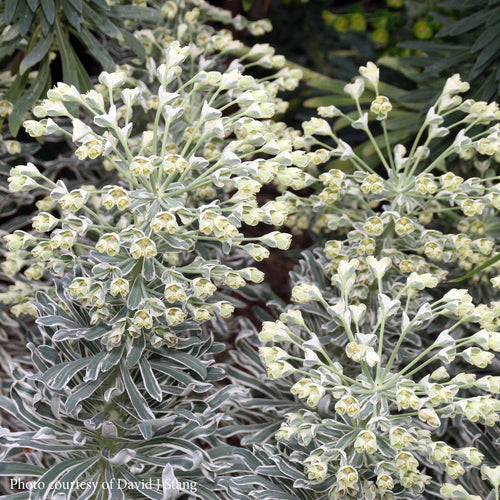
x=422 y=219
x=380 y=351
x=185 y=186
x=373 y=409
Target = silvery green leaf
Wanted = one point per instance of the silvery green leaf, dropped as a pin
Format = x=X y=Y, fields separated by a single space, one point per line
x=481 y=338
x=220 y=177
x=79 y=438
x=227 y=246
x=256 y=140
x=169 y=481
x=271 y=148
x=115 y=491
x=361 y=123
x=80 y=224
x=424 y=312
x=448 y=411
x=55 y=405
x=140 y=487
x=136 y=468
x=215 y=401
x=146 y=429
x=66 y=472
x=367 y=409
x=137 y=294
x=107 y=119
x=104 y=267
x=284 y=158
x=209 y=113
x=201 y=76
x=214 y=128
x=58 y=192
x=136 y=398
x=69 y=478
x=172 y=276
x=12 y=407
x=135 y=350
x=92 y=333
x=126 y=131
x=110 y=143
x=178 y=376
x=338 y=311
x=55 y=320
x=130 y=232
x=444 y=339
x=187 y=360
x=122 y=457
x=313 y=343
x=176 y=243
x=45 y=352
x=366 y=338
x=114 y=392
x=171 y=113
x=148 y=270
x=343 y=150
x=311 y=358
x=446 y=355
x=20 y=469
x=112 y=358
x=435 y=131
x=198 y=162
x=432 y=118
x=388 y=306
x=44 y=433
x=229 y=159
x=165 y=97
x=109 y=430
x=150 y=383
x=84 y=391
x=59 y=375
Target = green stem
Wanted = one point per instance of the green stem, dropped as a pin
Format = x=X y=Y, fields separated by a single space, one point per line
x=388 y=145
x=373 y=141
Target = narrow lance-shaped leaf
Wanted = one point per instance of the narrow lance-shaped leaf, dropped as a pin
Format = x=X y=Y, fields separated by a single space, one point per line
x=150 y=382
x=478 y=269
x=136 y=398
x=37 y=53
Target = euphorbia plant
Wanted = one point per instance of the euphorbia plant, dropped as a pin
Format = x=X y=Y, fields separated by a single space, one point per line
x=419 y=198
x=383 y=353
x=139 y=269
x=379 y=401
x=380 y=383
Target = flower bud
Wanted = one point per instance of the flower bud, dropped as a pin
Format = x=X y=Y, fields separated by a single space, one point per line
x=44 y=222
x=492 y=474
x=348 y=405
x=175 y=316
x=477 y=357
x=429 y=416
x=203 y=287
x=400 y=438
x=347 y=476
x=316 y=468
x=109 y=243
x=366 y=442
x=370 y=73
x=143 y=247
x=79 y=287
x=381 y=106
x=305 y=292
x=142 y=319
x=119 y=286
